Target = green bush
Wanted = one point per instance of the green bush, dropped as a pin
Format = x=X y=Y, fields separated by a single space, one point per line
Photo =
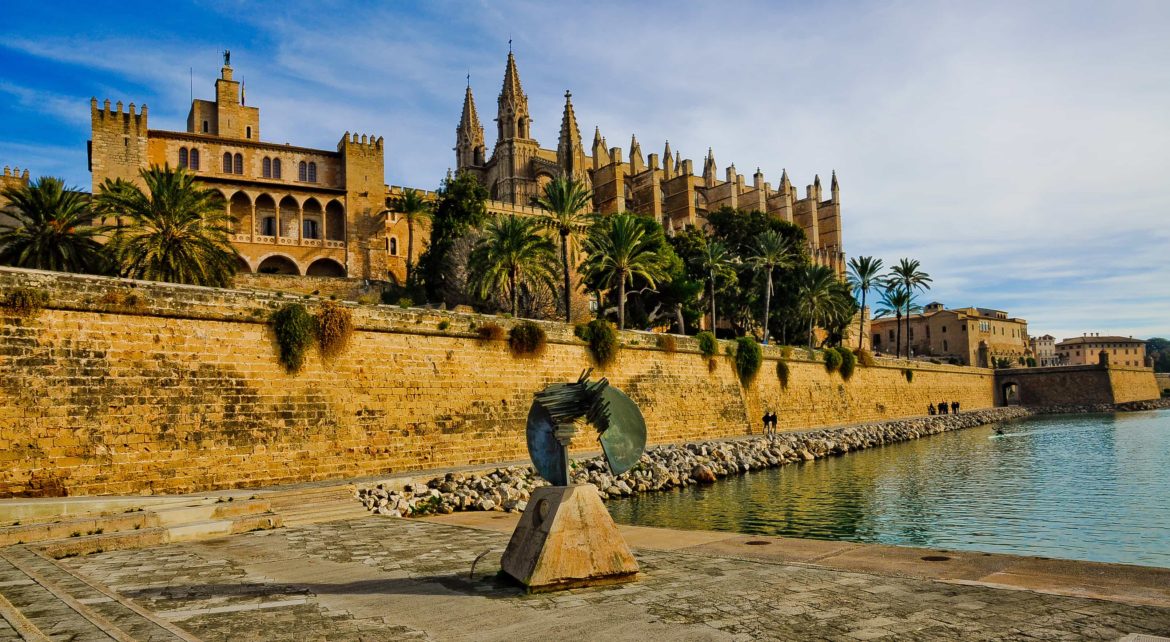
x=581 y=331
x=1031 y=362
x=667 y=343
x=909 y=374
x=748 y=357
x=786 y=352
x=295 y=330
x=527 y=338
x=603 y=341
x=848 y=362
x=25 y=302
x=334 y=328
x=490 y=332
x=405 y=302
x=707 y=344
x=865 y=358
x=833 y=360
x=443 y=325
x=782 y=373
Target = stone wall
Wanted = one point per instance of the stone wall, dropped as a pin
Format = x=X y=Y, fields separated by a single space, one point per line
x=133 y=387
x=322 y=286
x=1078 y=385
x=1163 y=381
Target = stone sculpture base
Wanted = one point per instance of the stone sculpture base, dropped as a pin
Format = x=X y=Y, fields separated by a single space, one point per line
x=566 y=539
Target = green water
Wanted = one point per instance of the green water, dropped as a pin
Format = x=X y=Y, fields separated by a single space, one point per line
x=1089 y=487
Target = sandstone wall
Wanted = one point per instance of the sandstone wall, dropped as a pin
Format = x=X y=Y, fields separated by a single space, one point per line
x=1079 y=385
x=1163 y=381
x=323 y=286
x=132 y=387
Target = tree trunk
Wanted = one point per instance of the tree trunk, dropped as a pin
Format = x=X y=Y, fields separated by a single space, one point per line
x=767 y=305
x=810 y=334
x=712 y=301
x=682 y=326
x=515 y=298
x=621 y=301
x=568 y=285
x=898 y=345
x=409 y=246
x=907 y=330
x=861 y=322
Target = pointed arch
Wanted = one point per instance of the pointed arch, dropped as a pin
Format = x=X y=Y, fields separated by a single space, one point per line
x=335 y=221
x=266 y=215
x=240 y=207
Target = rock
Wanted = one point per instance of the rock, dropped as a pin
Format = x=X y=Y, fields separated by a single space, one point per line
x=701 y=473
x=485 y=504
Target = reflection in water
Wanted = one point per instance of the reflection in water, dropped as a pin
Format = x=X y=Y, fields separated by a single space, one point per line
x=1091 y=487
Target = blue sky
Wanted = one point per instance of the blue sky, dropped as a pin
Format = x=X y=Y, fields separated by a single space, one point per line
x=1019 y=150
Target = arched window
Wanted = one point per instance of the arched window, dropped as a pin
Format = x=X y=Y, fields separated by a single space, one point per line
x=193 y=159
x=248 y=131
x=301 y=175
x=182 y=157
x=266 y=168
x=276 y=168
x=312 y=229
x=227 y=163
x=205 y=127
x=312 y=172
x=392 y=246
x=239 y=163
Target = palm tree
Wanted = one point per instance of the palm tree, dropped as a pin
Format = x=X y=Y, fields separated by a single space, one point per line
x=769 y=252
x=907 y=274
x=512 y=252
x=715 y=261
x=51 y=230
x=895 y=301
x=865 y=272
x=174 y=231
x=415 y=208
x=818 y=296
x=619 y=250
x=566 y=203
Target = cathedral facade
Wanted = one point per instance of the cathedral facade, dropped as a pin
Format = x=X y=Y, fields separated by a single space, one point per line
x=665 y=188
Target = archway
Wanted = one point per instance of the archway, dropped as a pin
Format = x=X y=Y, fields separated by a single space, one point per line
x=266 y=216
x=334 y=221
x=240 y=208
x=290 y=213
x=242 y=266
x=278 y=264
x=325 y=267
x=1009 y=392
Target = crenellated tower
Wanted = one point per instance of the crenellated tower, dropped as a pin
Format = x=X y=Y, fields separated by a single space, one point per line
x=117 y=146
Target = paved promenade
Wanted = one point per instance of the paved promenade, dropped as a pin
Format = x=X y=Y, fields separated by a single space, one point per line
x=391 y=579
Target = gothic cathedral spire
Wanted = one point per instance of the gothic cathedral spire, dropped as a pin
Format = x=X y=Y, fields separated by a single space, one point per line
x=570 y=153
x=469 y=144
x=513 y=119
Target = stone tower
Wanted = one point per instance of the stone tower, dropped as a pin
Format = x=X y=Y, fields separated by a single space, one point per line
x=570 y=151
x=227 y=116
x=514 y=146
x=117 y=146
x=470 y=150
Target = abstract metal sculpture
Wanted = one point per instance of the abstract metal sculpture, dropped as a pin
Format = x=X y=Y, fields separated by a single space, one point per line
x=566 y=537
x=552 y=425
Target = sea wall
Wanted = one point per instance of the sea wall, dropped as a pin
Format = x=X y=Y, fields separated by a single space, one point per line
x=323 y=286
x=1077 y=385
x=120 y=386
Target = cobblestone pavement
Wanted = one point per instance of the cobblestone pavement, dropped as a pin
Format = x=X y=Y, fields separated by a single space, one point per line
x=393 y=579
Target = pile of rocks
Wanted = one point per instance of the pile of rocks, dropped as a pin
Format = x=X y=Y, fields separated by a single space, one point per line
x=663 y=467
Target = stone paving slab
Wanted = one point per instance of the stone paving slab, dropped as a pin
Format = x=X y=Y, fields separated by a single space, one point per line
x=393 y=579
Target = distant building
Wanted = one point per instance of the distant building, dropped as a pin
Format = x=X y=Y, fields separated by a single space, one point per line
x=1044 y=350
x=1086 y=350
x=971 y=336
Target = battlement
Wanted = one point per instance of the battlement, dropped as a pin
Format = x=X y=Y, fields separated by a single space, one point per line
x=14 y=174
x=105 y=111
x=364 y=140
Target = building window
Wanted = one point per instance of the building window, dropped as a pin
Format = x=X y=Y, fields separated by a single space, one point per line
x=877 y=339
x=205 y=128
x=193 y=159
x=248 y=132
x=276 y=168
x=182 y=157
x=392 y=246
x=239 y=163
x=312 y=229
x=301 y=173
x=312 y=172
x=227 y=163
x=266 y=167
x=891 y=335
x=944 y=329
x=268 y=226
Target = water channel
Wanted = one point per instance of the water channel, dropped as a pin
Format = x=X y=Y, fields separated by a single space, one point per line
x=1088 y=487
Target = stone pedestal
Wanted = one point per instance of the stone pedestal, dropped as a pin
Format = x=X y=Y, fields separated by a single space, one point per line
x=566 y=539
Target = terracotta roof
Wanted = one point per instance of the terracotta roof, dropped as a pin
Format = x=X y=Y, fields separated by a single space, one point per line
x=1095 y=339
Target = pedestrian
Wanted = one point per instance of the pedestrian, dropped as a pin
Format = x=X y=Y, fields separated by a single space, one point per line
x=954 y=407
x=942 y=408
x=930 y=409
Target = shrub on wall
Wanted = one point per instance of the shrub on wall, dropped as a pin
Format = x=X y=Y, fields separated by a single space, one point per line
x=909 y=374
x=782 y=373
x=748 y=357
x=865 y=357
x=666 y=343
x=786 y=352
x=848 y=362
x=334 y=328
x=832 y=360
x=707 y=344
x=25 y=302
x=490 y=332
x=295 y=329
x=602 y=339
x=443 y=325
x=527 y=338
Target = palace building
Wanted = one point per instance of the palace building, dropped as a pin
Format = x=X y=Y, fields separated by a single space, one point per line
x=666 y=188
x=297 y=210
x=971 y=336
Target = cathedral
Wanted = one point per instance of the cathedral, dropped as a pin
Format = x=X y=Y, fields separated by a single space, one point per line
x=666 y=188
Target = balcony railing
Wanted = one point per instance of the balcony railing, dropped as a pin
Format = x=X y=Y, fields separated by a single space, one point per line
x=288 y=240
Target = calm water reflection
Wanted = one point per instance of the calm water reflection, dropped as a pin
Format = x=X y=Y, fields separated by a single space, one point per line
x=1090 y=487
